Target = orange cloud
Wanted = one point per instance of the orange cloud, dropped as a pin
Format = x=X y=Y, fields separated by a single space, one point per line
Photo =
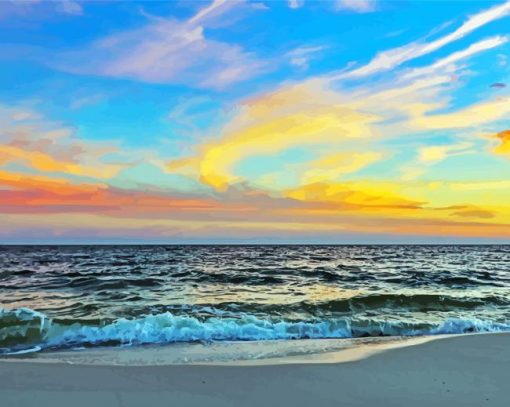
x=504 y=139
x=57 y=205
x=40 y=194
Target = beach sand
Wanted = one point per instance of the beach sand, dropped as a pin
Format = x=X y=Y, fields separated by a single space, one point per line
x=464 y=370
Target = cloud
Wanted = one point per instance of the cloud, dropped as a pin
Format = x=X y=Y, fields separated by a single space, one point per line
x=333 y=166
x=471 y=212
x=480 y=186
x=319 y=115
x=434 y=154
x=215 y=8
x=502 y=60
x=504 y=142
x=169 y=51
x=30 y=140
x=392 y=58
x=451 y=59
x=39 y=194
x=302 y=115
x=498 y=85
x=70 y=7
x=188 y=112
x=87 y=101
x=340 y=142
x=346 y=129
x=301 y=57
x=38 y=8
x=469 y=117
x=357 y=6
x=355 y=197
x=349 y=128
x=294 y=4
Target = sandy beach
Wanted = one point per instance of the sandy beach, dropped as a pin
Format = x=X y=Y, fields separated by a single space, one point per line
x=468 y=370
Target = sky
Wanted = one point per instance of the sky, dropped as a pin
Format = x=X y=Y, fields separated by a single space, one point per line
x=232 y=121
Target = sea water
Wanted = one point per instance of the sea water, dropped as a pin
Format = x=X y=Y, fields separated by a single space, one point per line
x=70 y=297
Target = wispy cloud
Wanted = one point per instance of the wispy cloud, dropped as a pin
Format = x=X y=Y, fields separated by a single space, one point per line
x=169 y=51
x=70 y=7
x=451 y=59
x=357 y=6
x=392 y=58
x=502 y=60
x=87 y=100
x=301 y=57
x=434 y=154
x=430 y=155
x=301 y=115
x=333 y=166
x=34 y=7
x=32 y=141
x=352 y=132
x=469 y=117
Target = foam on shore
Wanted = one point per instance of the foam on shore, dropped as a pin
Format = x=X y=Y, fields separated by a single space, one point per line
x=25 y=330
x=226 y=353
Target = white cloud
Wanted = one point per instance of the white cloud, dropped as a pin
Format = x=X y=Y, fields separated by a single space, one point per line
x=87 y=101
x=259 y=6
x=301 y=57
x=392 y=58
x=169 y=51
x=70 y=7
x=294 y=4
x=215 y=8
x=357 y=6
x=473 y=49
x=28 y=7
x=502 y=60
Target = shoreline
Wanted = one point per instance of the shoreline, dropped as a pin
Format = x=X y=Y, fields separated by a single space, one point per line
x=227 y=353
x=457 y=370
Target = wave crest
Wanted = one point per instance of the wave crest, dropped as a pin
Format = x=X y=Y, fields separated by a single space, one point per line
x=23 y=330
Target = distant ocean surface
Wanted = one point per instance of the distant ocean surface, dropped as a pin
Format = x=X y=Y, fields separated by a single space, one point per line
x=57 y=297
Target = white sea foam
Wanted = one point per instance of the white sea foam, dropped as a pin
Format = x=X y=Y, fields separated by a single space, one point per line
x=24 y=330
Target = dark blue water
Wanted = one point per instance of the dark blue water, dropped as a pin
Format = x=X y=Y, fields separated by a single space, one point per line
x=75 y=296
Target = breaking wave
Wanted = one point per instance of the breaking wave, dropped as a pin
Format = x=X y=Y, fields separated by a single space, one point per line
x=24 y=330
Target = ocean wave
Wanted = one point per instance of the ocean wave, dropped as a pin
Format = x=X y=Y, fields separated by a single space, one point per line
x=23 y=330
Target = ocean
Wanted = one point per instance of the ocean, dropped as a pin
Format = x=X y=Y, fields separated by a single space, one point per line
x=75 y=297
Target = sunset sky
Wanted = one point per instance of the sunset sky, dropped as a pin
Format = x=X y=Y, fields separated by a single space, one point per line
x=266 y=121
